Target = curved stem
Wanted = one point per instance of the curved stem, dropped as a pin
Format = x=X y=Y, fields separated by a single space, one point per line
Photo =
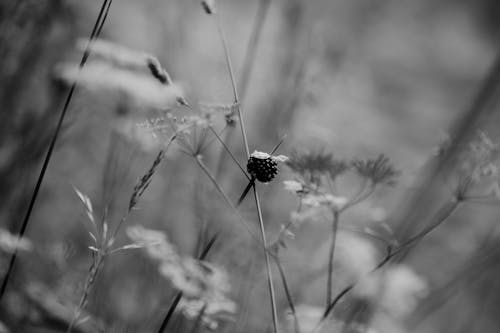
x=443 y=214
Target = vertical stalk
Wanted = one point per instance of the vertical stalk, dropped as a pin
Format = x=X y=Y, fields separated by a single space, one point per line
x=95 y=33
x=287 y=293
x=248 y=64
x=268 y=264
x=329 y=280
x=256 y=195
x=233 y=83
x=93 y=271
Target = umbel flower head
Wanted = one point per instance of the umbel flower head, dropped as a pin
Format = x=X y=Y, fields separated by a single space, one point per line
x=263 y=166
x=379 y=170
x=312 y=165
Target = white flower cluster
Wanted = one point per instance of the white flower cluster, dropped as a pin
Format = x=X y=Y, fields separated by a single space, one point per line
x=264 y=156
x=204 y=285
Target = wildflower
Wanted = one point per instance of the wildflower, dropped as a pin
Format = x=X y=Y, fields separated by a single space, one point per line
x=230 y=111
x=478 y=161
x=210 y=313
x=379 y=170
x=11 y=243
x=139 y=133
x=204 y=288
x=155 y=242
x=330 y=200
x=114 y=53
x=306 y=215
x=159 y=72
x=143 y=90
x=263 y=166
x=315 y=164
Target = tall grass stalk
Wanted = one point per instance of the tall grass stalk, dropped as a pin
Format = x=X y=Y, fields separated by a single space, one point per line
x=256 y=194
x=99 y=23
x=230 y=71
x=91 y=278
x=103 y=247
x=248 y=65
x=331 y=252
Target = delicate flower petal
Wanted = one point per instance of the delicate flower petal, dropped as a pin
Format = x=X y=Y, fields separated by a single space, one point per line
x=280 y=158
x=260 y=155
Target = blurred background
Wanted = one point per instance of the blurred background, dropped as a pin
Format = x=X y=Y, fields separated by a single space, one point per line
x=355 y=78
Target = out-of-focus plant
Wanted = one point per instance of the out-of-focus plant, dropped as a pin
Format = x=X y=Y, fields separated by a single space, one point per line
x=204 y=286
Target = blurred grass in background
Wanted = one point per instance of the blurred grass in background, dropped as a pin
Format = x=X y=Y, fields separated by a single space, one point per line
x=356 y=78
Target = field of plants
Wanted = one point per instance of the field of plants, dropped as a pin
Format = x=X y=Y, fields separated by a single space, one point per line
x=274 y=166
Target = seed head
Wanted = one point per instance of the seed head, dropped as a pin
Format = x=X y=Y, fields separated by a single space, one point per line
x=208 y=6
x=263 y=166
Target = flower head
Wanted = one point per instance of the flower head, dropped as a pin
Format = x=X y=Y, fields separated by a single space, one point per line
x=263 y=166
x=330 y=200
x=314 y=164
x=378 y=170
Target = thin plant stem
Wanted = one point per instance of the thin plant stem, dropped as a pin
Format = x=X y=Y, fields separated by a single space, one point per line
x=443 y=214
x=233 y=83
x=161 y=154
x=248 y=65
x=178 y=296
x=329 y=280
x=204 y=168
x=93 y=272
x=94 y=34
x=256 y=194
x=268 y=264
x=247 y=189
x=287 y=292
x=229 y=152
x=253 y=43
